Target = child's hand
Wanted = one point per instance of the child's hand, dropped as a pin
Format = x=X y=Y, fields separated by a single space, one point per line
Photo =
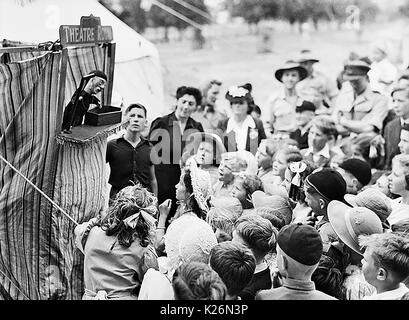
x=164 y=208
x=311 y=220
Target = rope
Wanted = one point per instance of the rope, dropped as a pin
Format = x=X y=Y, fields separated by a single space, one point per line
x=177 y=14
x=41 y=192
x=194 y=9
x=18 y=289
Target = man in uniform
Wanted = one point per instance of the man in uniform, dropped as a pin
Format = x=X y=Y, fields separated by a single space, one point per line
x=317 y=87
x=359 y=109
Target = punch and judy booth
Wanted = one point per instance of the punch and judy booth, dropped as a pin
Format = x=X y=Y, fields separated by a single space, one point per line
x=38 y=259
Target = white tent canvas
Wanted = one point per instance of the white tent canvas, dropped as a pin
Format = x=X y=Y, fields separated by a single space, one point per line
x=138 y=73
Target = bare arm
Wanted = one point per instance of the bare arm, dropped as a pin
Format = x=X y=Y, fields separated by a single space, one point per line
x=154 y=183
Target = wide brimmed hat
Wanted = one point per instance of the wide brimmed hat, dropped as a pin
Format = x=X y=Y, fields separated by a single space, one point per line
x=373 y=199
x=350 y=223
x=291 y=65
x=238 y=93
x=356 y=69
x=306 y=56
x=195 y=139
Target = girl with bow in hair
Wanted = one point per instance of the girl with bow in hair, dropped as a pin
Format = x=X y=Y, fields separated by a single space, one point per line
x=119 y=248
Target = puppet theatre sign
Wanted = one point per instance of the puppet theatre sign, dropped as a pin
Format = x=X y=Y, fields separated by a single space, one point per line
x=89 y=31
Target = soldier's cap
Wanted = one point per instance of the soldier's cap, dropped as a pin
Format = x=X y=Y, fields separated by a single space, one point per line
x=355 y=69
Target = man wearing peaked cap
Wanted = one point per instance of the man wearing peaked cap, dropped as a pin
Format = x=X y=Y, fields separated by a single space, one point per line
x=322 y=187
x=359 y=110
x=299 y=249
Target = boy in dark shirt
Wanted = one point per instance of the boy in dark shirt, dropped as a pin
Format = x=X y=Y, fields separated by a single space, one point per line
x=129 y=156
x=259 y=235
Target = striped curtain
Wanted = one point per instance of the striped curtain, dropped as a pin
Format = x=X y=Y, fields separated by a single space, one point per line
x=28 y=104
x=38 y=258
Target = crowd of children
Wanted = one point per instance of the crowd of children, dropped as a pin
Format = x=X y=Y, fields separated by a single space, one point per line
x=312 y=204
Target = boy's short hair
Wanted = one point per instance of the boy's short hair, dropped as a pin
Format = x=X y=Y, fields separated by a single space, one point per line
x=328 y=277
x=222 y=219
x=136 y=106
x=389 y=251
x=258 y=233
x=196 y=93
x=326 y=125
x=197 y=281
x=234 y=263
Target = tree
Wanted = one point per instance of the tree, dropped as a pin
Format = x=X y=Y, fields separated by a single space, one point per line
x=161 y=18
x=254 y=11
x=128 y=11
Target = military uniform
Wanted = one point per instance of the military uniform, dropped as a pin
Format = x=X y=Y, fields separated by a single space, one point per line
x=370 y=107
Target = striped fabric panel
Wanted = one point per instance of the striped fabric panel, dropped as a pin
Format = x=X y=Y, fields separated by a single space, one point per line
x=79 y=188
x=28 y=93
x=36 y=241
x=82 y=61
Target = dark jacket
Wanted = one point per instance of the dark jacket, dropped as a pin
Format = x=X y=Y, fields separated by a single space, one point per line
x=167 y=152
x=254 y=136
x=392 y=138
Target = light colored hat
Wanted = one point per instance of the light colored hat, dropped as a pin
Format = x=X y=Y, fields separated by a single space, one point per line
x=201 y=183
x=305 y=56
x=373 y=199
x=195 y=139
x=251 y=160
x=244 y=156
x=280 y=204
x=349 y=223
x=230 y=203
x=188 y=238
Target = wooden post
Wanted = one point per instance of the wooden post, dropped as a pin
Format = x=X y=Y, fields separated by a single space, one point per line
x=110 y=67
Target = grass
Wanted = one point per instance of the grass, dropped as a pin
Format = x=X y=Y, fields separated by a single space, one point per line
x=233 y=57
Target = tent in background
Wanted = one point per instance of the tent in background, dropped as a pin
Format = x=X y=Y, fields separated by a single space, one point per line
x=138 y=73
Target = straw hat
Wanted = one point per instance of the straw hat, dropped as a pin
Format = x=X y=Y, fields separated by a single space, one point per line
x=373 y=199
x=349 y=223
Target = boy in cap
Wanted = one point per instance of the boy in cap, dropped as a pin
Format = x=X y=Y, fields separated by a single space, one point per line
x=374 y=200
x=320 y=189
x=386 y=265
x=282 y=106
x=299 y=249
x=350 y=223
x=304 y=115
x=359 y=110
x=357 y=174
